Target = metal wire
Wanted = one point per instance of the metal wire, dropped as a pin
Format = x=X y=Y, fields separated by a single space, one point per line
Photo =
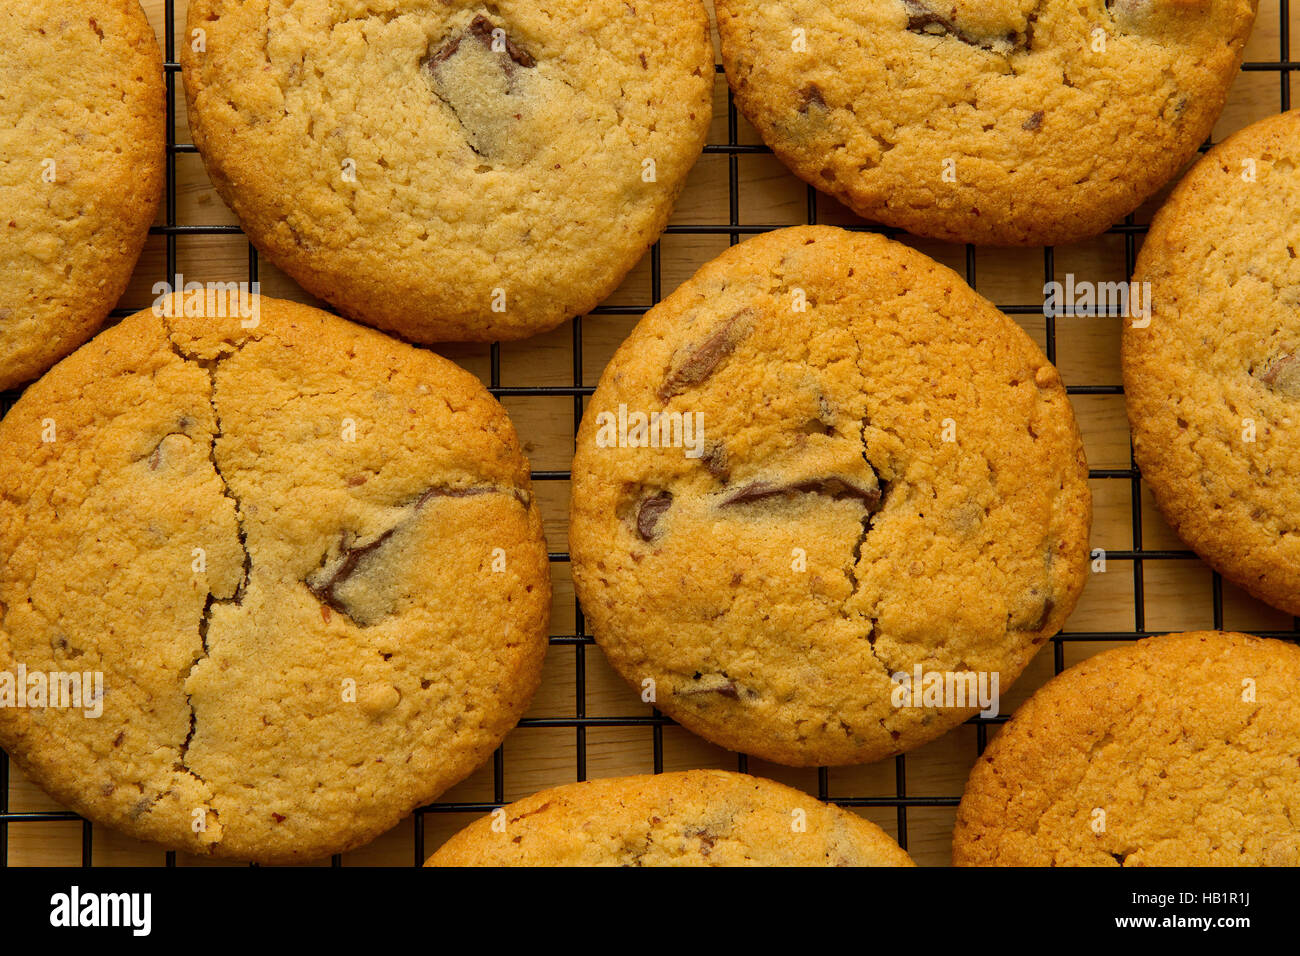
x=578 y=390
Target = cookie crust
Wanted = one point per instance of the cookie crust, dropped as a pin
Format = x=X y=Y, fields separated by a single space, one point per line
x=828 y=535
x=691 y=818
x=81 y=133
x=1182 y=748
x=439 y=180
x=1007 y=123
x=1210 y=382
x=304 y=557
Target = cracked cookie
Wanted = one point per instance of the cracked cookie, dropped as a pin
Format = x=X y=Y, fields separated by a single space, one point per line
x=1005 y=122
x=81 y=142
x=884 y=473
x=304 y=557
x=692 y=818
x=451 y=170
x=1175 y=751
x=1212 y=376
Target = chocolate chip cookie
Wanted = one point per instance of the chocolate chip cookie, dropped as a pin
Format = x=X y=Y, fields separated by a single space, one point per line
x=1212 y=374
x=304 y=560
x=1016 y=122
x=81 y=161
x=1176 y=751
x=820 y=466
x=695 y=818
x=452 y=170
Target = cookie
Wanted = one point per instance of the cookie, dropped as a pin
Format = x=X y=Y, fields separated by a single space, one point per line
x=1175 y=751
x=856 y=468
x=1021 y=122
x=81 y=136
x=450 y=171
x=1212 y=369
x=304 y=560
x=694 y=818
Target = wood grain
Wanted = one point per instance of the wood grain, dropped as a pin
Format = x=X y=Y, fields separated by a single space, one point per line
x=1177 y=593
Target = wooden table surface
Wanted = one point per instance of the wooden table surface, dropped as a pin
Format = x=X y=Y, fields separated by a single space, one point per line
x=1177 y=591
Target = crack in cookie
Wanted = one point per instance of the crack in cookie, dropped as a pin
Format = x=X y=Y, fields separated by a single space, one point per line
x=155 y=460
x=888 y=468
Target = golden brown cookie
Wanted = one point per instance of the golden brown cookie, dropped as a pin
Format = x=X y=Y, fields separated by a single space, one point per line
x=304 y=559
x=1007 y=122
x=449 y=169
x=856 y=467
x=1181 y=750
x=695 y=818
x=81 y=169
x=1212 y=375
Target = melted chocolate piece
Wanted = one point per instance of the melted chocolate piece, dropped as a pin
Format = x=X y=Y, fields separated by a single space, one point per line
x=922 y=18
x=694 y=365
x=648 y=515
x=1283 y=376
x=836 y=488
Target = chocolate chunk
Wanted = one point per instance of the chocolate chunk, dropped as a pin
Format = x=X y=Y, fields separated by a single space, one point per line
x=921 y=18
x=1036 y=618
x=810 y=96
x=694 y=364
x=442 y=54
x=1048 y=607
x=715 y=460
x=325 y=587
x=481 y=81
x=452 y=493
x=707 y=838
x=837 y=488
x=651 y=510
x=166 y=450
x=716 y=684
x=1142 y=14
x=1034 y=123
x=1283 y=376
x=482 y=28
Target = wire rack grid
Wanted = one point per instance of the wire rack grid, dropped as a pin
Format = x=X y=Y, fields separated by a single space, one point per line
x=579 y=390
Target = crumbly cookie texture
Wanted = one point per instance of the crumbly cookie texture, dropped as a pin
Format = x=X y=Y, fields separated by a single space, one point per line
x=1008 y=122
x=889 y=475
x=1174 y=751
x=305 y=558
x=694 y=818
x=81 y=136
x=449 y=169
x=1212 y=376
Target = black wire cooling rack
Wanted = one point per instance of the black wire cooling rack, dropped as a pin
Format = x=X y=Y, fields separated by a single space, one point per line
x=579 y=390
